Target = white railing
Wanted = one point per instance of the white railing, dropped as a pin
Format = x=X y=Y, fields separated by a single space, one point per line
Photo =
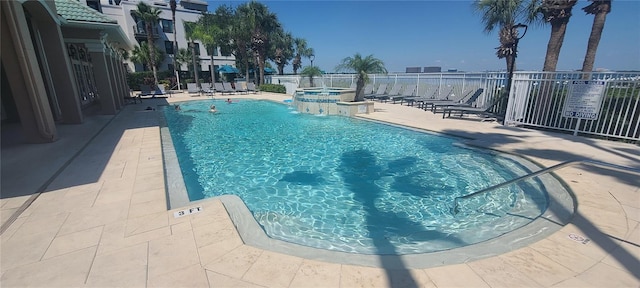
x=432 y=85
x=536 y=99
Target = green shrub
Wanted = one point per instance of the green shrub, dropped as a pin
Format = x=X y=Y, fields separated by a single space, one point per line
x=275 y=88
x=134 y=79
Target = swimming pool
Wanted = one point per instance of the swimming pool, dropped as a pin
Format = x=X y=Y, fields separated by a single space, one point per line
x=349 y=185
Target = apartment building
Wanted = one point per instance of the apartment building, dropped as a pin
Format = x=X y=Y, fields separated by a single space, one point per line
x=163 y=33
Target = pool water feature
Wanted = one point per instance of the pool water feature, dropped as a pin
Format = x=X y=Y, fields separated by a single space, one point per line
x=330 y=101
x=349 y=185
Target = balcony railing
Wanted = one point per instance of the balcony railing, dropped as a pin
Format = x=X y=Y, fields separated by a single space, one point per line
x=139 y=31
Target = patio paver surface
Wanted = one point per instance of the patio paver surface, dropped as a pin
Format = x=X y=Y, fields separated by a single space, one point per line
x=103 y=220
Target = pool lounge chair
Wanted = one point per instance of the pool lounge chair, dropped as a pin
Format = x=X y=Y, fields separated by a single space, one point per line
x=220 y=87
x=132 y=98
x=368 y=89
x=160 y=90
x=461 y=111
x=382 y=90
x=462 y=103
x=395 y=91
x=228 y=88
x=251 y=87
x=428 y=105
x=407 y=92
x=426 y=94
x=241 y=88
x=145 y=90
x=192 y=88
x=207 y=89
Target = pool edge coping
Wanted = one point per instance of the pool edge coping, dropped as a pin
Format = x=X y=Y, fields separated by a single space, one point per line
x=253 y=235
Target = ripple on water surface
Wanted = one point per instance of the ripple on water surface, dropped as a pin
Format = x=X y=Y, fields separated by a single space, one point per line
x=346 y=184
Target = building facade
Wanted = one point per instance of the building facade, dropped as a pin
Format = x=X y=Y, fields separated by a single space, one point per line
x=187 y=11
x=60 y=61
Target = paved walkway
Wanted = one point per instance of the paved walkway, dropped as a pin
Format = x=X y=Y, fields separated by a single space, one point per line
x=102 y=221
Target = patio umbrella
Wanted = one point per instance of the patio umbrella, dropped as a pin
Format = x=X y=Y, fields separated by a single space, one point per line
x=267 y=70
x=228 y=69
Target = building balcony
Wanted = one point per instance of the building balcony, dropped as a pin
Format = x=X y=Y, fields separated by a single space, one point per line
x=140 y=33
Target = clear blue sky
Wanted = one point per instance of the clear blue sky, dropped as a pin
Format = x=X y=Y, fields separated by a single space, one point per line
x=447 y=34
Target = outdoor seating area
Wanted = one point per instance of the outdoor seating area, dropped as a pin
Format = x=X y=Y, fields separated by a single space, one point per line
x=430 y=100
x=208 y=89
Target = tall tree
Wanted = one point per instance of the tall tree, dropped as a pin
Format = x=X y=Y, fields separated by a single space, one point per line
x=208 y=32
x=261 y=23
x=184 y=57
x=189 y=29
x=599 y=9
x=141 y=55
x=362 y=67
x=281 y=50
x=502 y=14
x=239 y=35
x=301 y=51
x=150 y=16
x=173 y=6
x=557 y=13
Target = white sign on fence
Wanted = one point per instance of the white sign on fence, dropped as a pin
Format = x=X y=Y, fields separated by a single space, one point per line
x=584 y=100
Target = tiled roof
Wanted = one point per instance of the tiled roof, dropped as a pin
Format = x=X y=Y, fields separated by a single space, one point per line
x=77 y=11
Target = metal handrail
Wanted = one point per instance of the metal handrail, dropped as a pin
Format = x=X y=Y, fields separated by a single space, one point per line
x=543 y=171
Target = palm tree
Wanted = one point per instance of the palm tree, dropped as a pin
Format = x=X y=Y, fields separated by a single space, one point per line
x=189 y=28
x=600 y=9
x=301 y=51
x=184 y=57
x=261 y=24
x=281 y=50
x=556 y=12
x=311 y=71
x=240 y=37
x=363 y=67
x=502 y=14
x=173 y=6
x=150 y=16
x=141 y=55
x=208 y=33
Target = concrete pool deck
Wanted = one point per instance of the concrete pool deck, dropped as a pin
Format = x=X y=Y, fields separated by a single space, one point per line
x=102 y=220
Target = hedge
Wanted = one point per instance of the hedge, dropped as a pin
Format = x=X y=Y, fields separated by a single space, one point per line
x=275 y=88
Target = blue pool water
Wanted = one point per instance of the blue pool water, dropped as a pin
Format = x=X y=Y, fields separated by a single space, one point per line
x=345 y=184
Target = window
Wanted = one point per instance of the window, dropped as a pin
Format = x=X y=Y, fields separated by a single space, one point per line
x=95 y=5
x=167 y=26
x=168 y=47
x=170 y=67
x=197 y=48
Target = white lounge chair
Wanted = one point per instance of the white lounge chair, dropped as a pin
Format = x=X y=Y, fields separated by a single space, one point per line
x=207 y=89
x=228 y=88
x=192 y=88
x=241 y=88
x=251 y=87
x=220 y=87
